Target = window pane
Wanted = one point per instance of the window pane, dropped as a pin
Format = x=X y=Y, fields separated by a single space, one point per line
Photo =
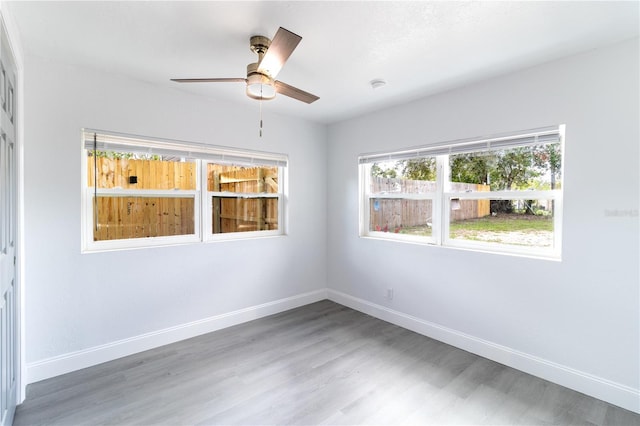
x=141 y=217
x=513 y=222
x=415 y=176
x=401 y=216
x=252 y=180
x=524 y=168
x=130 y=170
x=237 y=214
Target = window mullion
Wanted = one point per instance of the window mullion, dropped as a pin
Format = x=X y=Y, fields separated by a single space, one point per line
x=400 y=196
x=505 y=195
x=281 y=200
x=115 y=192
x=365 y=188
x=244 y=194
x=441 y=216
x=204 y=211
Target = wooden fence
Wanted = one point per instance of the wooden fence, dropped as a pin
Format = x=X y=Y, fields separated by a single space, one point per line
x=119 y=217
x=469 y=209
x=129 y=216
x=141 y=174
x=238 y=214
x=392 y=213
x=139 y=217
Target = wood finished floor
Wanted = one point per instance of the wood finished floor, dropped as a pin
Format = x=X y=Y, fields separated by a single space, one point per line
x=318 y=364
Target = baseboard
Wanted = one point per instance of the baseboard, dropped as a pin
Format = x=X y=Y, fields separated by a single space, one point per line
x=606 y=390
x=73 y=361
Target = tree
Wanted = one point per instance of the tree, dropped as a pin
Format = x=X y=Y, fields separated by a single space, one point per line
x=419 y=168
x=123 y=155
x=470 y=168
x=502 y=169
x=549 y=158
x=377 y=171
x=514 y=167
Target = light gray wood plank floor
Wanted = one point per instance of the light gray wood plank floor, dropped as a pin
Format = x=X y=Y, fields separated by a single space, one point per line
x=319 y=364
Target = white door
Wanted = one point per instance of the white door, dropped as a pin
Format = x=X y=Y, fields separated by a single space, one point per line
x=8 y=324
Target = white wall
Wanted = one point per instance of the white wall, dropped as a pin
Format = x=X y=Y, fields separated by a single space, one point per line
x=575 y=322
x=86 y=308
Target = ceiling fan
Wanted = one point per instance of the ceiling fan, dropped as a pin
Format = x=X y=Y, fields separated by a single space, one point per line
x=272 y=55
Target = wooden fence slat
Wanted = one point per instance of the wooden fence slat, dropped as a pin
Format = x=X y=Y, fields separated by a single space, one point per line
x=177 y=175
x=90 y=171
x=119 y=173
x=145 y=175
x=138 y=173
x=167 y=178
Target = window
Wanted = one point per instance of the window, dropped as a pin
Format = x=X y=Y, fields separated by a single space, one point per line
x=142 y=192
x=501 y=194
x=243 y=199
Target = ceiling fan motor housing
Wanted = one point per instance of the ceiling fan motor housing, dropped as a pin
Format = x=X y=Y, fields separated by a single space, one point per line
x=259 y=45
x=259 y=85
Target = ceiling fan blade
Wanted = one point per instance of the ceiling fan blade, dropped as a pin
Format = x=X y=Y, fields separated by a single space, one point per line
x=208 y=80
x=295 y=93
x=282 y=45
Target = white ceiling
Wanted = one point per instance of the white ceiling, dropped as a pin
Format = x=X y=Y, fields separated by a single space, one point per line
x=420 y=48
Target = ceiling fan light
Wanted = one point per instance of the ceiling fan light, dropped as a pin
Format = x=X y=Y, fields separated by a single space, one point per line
x=261 y=91
x=260 y=86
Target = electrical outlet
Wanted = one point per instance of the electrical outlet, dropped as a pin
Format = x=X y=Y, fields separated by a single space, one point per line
x=390 y=293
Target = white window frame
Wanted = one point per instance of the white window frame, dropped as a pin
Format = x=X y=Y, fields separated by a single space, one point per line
x=365 y=203
x=201 y=154
x=206 y=201
x=441 y=198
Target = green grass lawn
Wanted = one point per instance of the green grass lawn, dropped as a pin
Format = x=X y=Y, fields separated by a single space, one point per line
x=505 y=223
x=514 y=229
